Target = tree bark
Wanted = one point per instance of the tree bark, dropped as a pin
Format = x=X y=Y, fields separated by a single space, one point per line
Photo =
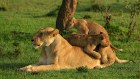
x=66 y=11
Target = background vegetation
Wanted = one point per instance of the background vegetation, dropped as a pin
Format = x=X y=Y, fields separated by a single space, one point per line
x=20 y=19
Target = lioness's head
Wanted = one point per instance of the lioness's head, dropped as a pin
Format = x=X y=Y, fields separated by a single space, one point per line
x=44 y=36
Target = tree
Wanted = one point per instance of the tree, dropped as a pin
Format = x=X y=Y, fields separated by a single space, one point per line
x=66 y=11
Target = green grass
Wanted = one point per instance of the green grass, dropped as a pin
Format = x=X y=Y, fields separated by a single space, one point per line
x=19 y=22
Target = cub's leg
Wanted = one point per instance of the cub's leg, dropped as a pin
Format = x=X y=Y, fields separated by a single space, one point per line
x=108 y=56
x=89 y=49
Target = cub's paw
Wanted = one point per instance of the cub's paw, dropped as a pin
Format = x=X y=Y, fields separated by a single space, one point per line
x=97 y=56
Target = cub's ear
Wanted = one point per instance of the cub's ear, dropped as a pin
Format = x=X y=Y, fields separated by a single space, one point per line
x=55 y=32
x=102 y=35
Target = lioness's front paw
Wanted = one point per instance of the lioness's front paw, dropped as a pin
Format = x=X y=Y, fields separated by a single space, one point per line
x=28 y=68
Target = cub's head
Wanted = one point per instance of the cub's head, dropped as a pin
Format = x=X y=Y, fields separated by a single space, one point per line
x=100 y=39
x=45 y=37
x=70 y=23
x=103 y=40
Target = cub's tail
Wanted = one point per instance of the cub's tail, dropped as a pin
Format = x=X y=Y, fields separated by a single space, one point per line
x=115 y=48
x=121 y=61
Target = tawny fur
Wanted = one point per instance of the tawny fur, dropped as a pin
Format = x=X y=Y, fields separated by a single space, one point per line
x=108 y=56
x=58 y=54
x=90 y=42
x=86 y=27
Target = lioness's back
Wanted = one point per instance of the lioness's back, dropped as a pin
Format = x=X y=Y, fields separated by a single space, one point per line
x=78 y=58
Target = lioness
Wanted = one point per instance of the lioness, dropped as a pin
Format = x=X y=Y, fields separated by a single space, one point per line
x=86 y=27
x=96 y=46
x=58 y=54
x=88 y=42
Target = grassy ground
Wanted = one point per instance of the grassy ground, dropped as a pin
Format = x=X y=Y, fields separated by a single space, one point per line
x=22 y=18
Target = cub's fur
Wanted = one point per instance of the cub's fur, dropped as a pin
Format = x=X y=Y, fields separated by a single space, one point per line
x=90 y=42
x=85 y=27
x=58 y=54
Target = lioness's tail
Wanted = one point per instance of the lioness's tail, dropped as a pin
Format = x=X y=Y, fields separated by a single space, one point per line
x=115 y=48
x=121 y=61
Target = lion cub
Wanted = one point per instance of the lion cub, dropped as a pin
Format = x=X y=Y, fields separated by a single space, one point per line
x=86 y=27
x=89 y=43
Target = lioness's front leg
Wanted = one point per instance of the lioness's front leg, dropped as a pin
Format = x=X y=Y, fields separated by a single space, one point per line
x=32 y=68
x=43 y=57
x=89 y=49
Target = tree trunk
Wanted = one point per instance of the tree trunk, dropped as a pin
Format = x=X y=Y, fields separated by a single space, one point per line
x=66 y=11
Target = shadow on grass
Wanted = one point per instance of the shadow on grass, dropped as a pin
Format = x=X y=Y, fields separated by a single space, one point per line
x=16 y=35
x=52 y=13
x=11 y=66
x=14 y=67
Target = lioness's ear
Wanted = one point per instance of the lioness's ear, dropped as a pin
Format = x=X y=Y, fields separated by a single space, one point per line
x=55 y=32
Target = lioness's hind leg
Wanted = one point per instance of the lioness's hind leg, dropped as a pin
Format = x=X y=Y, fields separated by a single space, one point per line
x=108 y=60
x=107 y=63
